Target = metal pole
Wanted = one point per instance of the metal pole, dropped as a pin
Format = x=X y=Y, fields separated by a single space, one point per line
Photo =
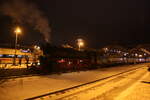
x=15 y=49
x=79 y=47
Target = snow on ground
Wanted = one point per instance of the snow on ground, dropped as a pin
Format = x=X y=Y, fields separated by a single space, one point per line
x=26 y=87
x=139 y=91
x=107 y=89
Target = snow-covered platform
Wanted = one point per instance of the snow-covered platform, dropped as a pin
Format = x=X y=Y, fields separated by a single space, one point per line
x=26 y=87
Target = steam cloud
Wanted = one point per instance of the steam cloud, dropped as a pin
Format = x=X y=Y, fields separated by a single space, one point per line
x=26 y=12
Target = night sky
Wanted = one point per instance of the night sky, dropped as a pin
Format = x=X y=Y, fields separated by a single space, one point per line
x=98 y=22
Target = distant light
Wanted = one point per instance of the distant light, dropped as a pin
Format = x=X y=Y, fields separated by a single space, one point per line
x=141 y=59
x=124 y=58
x=105 y=49
x=125 y=54
x=80 y=43
x=119 y=51
x=136 y=54
x=121 y=59
x=37 y=47
x=69 y=62
x=24 y=51
x=38 y=63
x=140 y=55
x=19 y=56
x=11 y=55
x=61 y=61
x=66 y=46
x=81 y=60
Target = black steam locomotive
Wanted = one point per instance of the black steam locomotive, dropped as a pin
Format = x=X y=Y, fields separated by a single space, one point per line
x=64 y=59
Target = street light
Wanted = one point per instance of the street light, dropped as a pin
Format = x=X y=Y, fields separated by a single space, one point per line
x=17 y=31
x=80 y=43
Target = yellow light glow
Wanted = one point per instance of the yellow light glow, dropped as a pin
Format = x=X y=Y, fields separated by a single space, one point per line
x=18 y=30
x=140 y=55
x=80 y=43
x=37 y=47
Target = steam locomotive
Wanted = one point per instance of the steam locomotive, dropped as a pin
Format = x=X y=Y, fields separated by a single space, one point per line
x=62 y=59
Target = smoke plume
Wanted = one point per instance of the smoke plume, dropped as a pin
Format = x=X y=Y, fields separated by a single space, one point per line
x=26 y=12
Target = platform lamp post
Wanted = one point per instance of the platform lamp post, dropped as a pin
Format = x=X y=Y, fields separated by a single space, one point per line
x=17 y=32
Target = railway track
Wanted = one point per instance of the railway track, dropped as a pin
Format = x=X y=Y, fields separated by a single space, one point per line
x=73 y=91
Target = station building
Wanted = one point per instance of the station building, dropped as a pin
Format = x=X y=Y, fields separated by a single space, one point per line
x=23 y=56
